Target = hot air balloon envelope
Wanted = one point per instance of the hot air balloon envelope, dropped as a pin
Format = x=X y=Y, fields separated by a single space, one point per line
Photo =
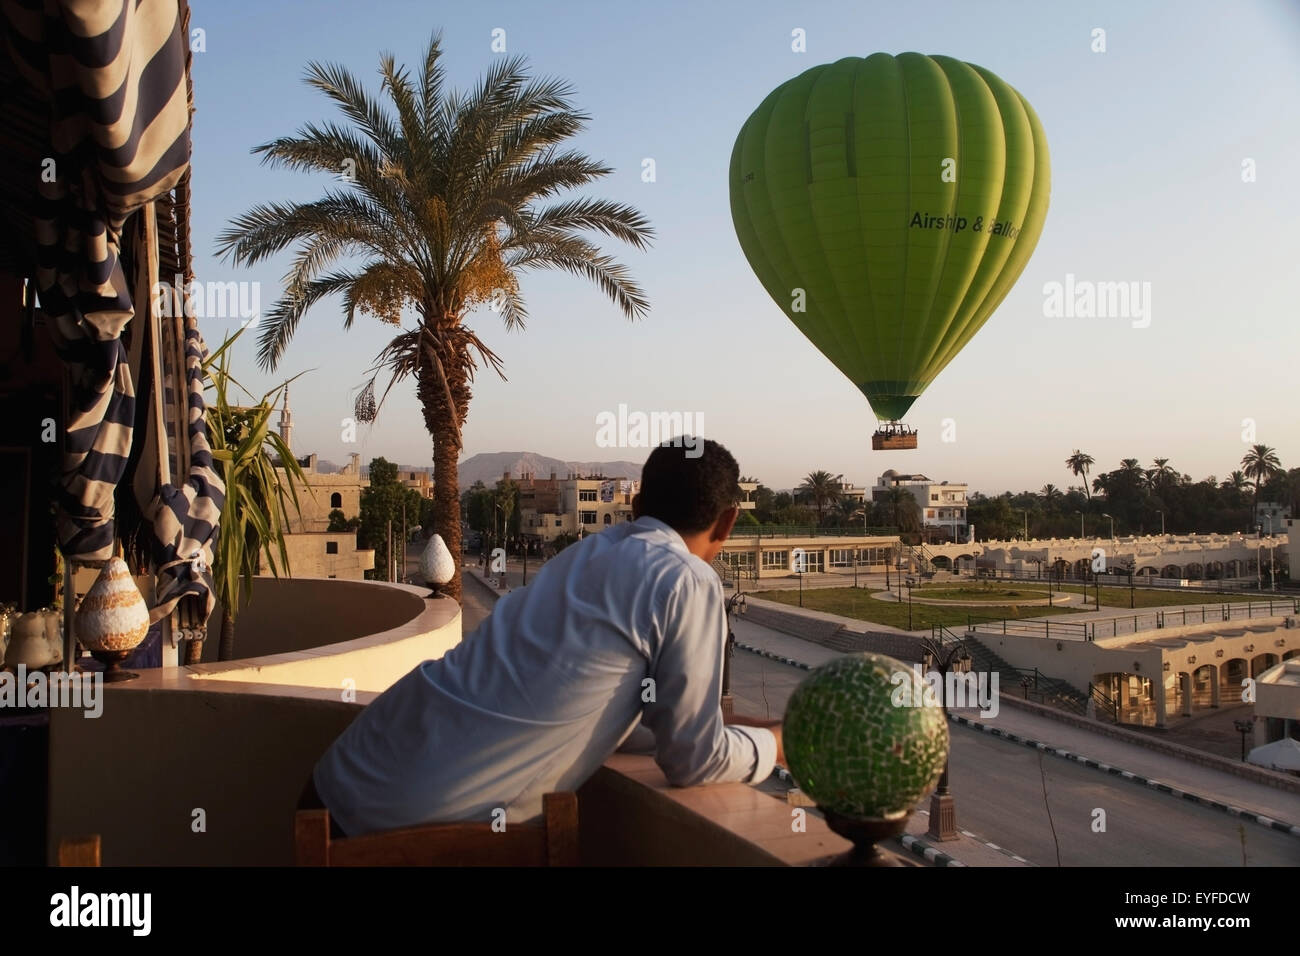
x=888 y=205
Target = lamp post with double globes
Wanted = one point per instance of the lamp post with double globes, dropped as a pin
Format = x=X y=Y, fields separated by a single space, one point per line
x=955 y=658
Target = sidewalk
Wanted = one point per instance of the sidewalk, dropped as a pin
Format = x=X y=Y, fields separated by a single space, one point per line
x=1204 y=782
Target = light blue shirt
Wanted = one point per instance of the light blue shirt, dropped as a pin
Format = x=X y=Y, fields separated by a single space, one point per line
x=624 y=627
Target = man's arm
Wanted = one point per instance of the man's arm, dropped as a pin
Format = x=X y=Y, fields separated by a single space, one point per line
x=773 y=725
x=692 y=744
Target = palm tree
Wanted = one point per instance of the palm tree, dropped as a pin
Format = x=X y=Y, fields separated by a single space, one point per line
x=1237 y=481
x=851 y=510
x=448 y=197
x=1051 y=496
x=905 y=513
x=1079 y=463
x=246 y=451
x=1260 y=464
x=1159 y=475
x=823 y=488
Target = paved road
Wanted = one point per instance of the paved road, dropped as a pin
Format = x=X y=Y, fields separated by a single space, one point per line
x=998 y=786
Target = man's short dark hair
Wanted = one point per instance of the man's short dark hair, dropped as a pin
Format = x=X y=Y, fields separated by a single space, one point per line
x=688 y=482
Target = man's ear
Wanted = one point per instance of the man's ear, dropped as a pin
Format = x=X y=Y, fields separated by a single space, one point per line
x=722 y=527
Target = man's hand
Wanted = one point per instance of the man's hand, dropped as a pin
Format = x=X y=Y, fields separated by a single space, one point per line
x=772 y=725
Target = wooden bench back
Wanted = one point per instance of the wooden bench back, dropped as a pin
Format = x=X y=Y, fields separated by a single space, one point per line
x=552 y=842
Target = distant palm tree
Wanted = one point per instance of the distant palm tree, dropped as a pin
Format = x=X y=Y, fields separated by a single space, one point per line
x=823 y=488
x=448 y=196
x=1079 y=463
x=1051 y=496
x=851 y=510
x=1260 y=464
x=1158 y=476
x=904 y=512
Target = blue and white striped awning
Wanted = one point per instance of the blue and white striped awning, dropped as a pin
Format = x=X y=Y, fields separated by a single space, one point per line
x=116 y=77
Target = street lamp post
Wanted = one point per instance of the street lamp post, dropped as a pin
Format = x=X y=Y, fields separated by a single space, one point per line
x=1162 y=524
x=1080 y=514
x=1112 y=525
x=735 y=604
x=1026 y=511
x=955 y=658
x=1244 y=727
x=910 y=583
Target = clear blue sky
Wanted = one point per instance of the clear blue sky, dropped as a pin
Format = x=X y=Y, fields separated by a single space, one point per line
x=1146 y=139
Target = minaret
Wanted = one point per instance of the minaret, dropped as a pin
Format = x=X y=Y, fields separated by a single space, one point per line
x=286 y=421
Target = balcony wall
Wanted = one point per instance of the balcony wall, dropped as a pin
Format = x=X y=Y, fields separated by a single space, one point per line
x=237 y=739
x=299 y=613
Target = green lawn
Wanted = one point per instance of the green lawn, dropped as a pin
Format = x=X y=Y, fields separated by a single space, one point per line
x=858 y=603
x=1117 y=597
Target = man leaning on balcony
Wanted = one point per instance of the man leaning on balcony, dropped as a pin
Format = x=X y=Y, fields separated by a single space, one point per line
x=616 y=644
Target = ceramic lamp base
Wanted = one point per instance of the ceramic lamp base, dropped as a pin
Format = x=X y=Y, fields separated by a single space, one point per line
x=112 y=661
x=864 y=834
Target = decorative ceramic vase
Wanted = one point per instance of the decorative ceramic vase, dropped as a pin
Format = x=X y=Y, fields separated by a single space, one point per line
x=113 y=618
x=436 y=564
x=54 y=633
x=27 y=642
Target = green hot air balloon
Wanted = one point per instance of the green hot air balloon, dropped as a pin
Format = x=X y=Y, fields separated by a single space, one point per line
x=888 y=205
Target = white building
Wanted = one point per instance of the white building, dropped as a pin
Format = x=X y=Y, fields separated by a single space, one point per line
x=942 y=503
x=1271 y=517
x=1277 y=702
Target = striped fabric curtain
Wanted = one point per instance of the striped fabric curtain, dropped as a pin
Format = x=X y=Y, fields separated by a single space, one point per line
x=116 y=75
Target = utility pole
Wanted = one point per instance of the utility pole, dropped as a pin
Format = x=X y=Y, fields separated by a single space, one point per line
x=392 y=568
x=404 y=540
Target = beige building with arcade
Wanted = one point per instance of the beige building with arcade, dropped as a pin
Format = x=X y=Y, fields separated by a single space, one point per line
x=313 y=550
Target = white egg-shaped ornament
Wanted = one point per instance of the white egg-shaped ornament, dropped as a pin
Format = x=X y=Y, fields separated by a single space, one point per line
x=113 y=618
x=437 y=567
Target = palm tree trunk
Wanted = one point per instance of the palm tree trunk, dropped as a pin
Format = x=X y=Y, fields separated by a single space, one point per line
x=444 y=404
x=226 y=649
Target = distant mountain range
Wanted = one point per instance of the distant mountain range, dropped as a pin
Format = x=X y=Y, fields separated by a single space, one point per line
x=488 y=467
